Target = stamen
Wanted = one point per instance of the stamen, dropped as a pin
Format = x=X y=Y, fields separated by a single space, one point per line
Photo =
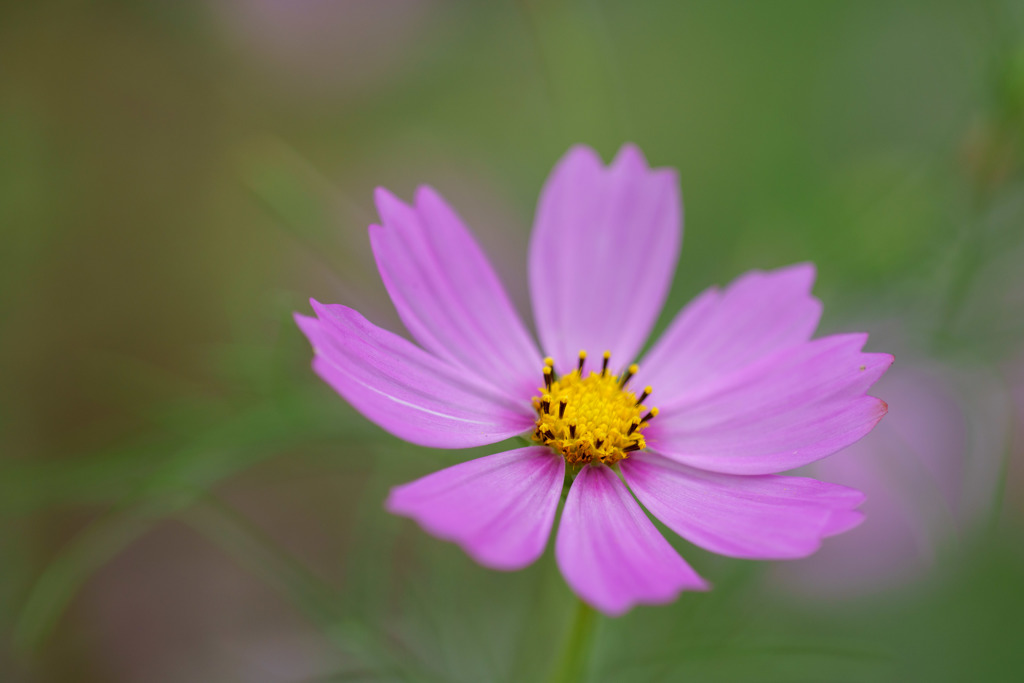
x=550 y=362
x=591 y=419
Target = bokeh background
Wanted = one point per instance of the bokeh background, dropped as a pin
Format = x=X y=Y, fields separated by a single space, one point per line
x=182 y=500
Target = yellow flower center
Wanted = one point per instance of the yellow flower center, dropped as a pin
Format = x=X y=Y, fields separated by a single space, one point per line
x=591 y=417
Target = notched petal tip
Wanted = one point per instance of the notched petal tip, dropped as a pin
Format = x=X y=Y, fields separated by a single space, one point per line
x=328 y=312
x=804 y=271
x=883 y=407
x=669 y=178
x=842 y=521
x=394 y=213
x=304 y=321
x=630 y=159
x=851 y=497
x=382 y=196
x=427 y=194
x=852 y=342
x=310 y=327
x=796 y=278
x=579 y=155
x=629 y=155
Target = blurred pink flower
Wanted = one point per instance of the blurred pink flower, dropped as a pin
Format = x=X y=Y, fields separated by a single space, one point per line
x=929 y=473
x=743 y=391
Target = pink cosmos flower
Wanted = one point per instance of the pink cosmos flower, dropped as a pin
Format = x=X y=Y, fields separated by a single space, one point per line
x=742 y=391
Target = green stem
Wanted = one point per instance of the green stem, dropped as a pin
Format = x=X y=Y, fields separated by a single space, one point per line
x=573 y=662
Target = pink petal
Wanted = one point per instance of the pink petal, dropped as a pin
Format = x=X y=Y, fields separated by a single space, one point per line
x=499 y=509
x=610 y=553
x=448 y=295
x=721 y=332
x=404 y=389
x=604 y=247
x=757 y=517
x=789 y=409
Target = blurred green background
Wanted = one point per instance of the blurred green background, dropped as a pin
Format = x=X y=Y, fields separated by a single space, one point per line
x=182 y=500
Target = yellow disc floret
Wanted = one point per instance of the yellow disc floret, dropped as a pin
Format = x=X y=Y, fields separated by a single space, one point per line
x=591 y=417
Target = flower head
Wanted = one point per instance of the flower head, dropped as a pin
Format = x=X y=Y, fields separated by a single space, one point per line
x=591 y=417
x=742 y=391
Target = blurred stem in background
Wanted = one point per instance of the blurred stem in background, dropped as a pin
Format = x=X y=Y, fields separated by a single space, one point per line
x=578 y=67
x=322 y=604
x=572 y=665
x=992 y=160
x=992 y=156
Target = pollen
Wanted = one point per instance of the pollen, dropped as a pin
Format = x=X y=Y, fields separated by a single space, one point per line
x=591 y=417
